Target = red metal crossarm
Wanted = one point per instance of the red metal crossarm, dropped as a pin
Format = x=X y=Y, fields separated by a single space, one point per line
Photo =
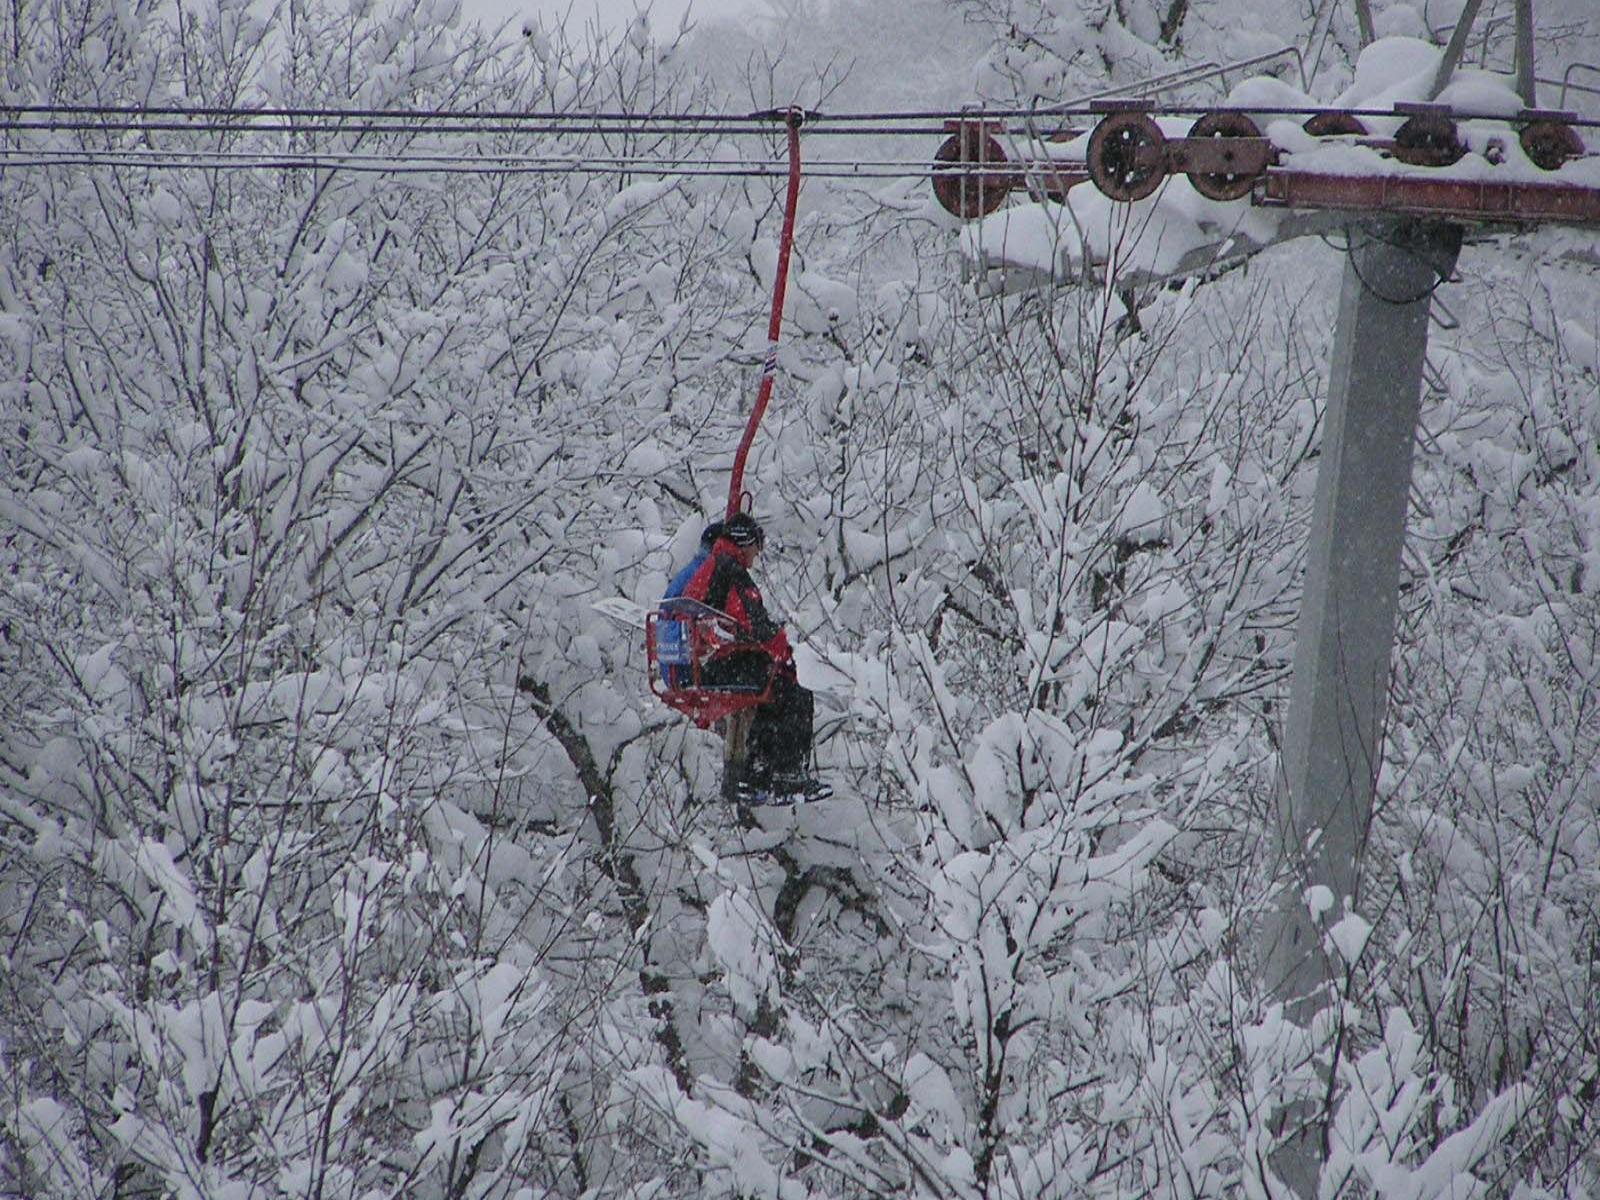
x=1486 y=200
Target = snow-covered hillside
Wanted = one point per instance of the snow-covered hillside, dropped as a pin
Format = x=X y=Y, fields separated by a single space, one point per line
x=343 y=850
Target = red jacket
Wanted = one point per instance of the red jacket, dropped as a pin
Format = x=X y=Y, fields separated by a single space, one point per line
x=723 y=583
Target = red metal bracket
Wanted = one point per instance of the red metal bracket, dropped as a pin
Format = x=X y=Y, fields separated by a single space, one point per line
x=1520 y=202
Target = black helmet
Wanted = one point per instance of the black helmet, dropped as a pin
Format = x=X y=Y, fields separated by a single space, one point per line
x=711 y=533
x=743 y=530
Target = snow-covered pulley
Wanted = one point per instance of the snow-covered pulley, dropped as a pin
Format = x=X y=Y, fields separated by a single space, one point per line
x=1241 y=163
x=960 y=183
x=1549 y=141
x=1127 y=156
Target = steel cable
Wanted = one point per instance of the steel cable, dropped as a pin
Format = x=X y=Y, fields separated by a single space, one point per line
x=413 y=164
x=170 y=119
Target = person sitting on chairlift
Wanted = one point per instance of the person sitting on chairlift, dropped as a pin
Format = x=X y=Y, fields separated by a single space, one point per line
x=780 y=734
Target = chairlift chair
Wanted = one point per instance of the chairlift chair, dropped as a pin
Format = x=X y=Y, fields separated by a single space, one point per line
x=681 y=638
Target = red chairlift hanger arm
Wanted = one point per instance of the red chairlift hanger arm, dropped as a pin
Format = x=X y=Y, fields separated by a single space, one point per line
x=793 y=118
x=692 y=638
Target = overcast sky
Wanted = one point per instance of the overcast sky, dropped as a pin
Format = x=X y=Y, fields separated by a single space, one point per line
x=664 y=14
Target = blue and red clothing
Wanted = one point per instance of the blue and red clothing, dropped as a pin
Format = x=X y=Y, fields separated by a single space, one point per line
x=780 y=734
x=672 y=675
x=681 y=579
x=722 y=582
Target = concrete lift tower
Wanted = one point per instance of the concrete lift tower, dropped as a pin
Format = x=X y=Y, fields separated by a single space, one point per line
x=1413 y=209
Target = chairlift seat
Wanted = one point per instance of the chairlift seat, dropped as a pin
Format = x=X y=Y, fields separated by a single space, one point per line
x=683 y=637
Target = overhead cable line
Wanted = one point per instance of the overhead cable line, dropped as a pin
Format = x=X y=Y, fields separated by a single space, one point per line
x=290 y=127
x=757 y=120
x=171 y=119
x=915 y=166
x=460 y=164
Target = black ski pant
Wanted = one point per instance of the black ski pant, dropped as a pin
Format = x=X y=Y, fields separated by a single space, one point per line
x=780 y=734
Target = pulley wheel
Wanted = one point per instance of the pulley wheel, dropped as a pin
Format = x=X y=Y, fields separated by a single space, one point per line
x=1127 y=156
x=1224 y=185
x=960 y=184
x=1336 y=124
x=1548 y=144
x=1428 y=140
